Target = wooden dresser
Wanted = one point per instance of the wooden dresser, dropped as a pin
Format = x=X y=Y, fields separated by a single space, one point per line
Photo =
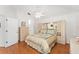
x=23 y=33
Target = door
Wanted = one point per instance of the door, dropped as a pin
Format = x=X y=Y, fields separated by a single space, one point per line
x=2 y=33
x=11 y=31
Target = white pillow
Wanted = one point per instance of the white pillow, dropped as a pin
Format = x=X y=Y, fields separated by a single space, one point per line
x=52 y=32
x=43 y=31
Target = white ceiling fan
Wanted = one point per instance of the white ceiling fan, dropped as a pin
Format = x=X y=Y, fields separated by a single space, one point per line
x=35 y=14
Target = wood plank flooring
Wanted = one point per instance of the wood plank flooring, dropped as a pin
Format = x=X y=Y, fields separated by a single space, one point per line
x=23 y=48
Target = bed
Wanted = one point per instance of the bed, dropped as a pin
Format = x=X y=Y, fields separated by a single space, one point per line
x=42 y=41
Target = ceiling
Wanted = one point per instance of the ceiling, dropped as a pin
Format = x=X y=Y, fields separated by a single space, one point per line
x=48 y=10
x=70 y=8
x=45 y=11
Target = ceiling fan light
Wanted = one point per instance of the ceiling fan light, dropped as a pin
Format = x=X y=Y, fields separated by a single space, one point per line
x=38 y=15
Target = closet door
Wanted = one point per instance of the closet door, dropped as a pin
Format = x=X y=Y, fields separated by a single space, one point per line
x=11 y=31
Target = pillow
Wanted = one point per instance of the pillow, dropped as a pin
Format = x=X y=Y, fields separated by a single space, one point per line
x=52 y=32
x=43 y=31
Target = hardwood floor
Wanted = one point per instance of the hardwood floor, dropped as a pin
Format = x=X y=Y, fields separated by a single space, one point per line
x=61 y=49
x=23 y=48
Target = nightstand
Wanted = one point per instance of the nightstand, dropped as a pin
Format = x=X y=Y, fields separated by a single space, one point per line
x=74 y=46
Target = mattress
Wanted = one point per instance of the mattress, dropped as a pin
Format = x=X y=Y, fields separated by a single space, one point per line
x=41 y=42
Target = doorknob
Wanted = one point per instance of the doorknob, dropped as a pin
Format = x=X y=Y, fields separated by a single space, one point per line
x=0 y=25
x=6 y=30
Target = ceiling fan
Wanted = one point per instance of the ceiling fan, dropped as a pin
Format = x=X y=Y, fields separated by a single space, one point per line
x=36 y=15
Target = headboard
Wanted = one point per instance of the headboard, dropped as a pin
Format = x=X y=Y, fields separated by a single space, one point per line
x=47 y=28
x=60 y=28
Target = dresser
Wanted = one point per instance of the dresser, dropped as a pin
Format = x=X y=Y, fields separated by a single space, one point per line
x=23 y=33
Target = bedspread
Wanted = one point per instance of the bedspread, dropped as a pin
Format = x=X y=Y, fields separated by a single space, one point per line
x=41 y=42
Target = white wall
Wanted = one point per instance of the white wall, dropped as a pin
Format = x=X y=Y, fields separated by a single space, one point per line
x=8 y=11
